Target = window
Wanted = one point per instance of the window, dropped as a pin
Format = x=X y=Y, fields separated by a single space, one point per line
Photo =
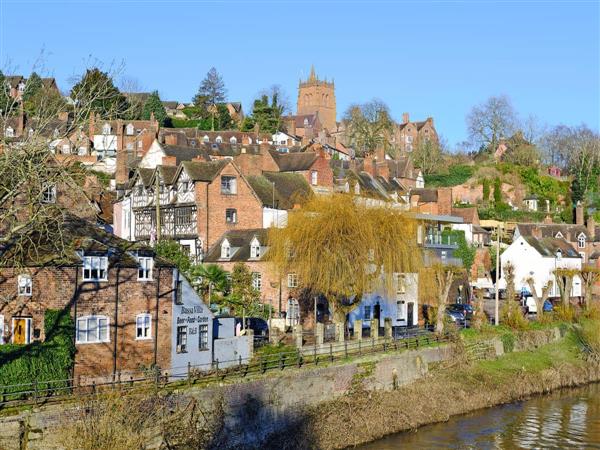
x=292 y=280
x=367 y=313
x=106 y=128
x=400 y=283
x=182 y=339
x=95 y=268
x=9 y=132
x=129 y=130
x=399 y=311
x=49 y=194
x=24 y=285
x=581 y=241
x=206 y=139
x=143 y=328
x=203 y=337
x=228 y=185
x=230 y=215
x=66 y=149
x=145 y=267
x=179 y=293
x=219 y=140
x=55 y=133
x=30 y=132
x=255 y=250
x=233 y=140
x=314 y=177
x=91 y=329
x=225 y=250
x=1 y=329
x=256 y=280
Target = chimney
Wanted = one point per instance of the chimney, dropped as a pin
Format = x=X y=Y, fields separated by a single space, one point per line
x=122 y=172
x=444 y=201
x=171 y=139
x=430 y=120
x=369 y=165
x=579 y=214
x=591 y=228
x=21 y=121
x=405 y=118
x=169 y=161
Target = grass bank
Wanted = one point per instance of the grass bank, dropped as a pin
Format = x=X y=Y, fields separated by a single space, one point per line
x=366 y=416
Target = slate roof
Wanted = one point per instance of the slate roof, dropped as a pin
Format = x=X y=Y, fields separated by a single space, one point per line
x=425 y=195
x=170 y=104
x=168 y=173
x=290 y=189
x=293 y=162
x=568 y=231
x=240 y=245
x=203 y=171
x=80 y=235
x=182 y=153
x=548 y=247
x=469 y=215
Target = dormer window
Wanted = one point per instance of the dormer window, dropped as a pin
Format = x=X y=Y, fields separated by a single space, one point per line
x=24 y=285
x=49 y=194
x=206 y=139
x=219 y=140
x=129 y=130
x=9 y=132
x=581 y=241
x=559 y=235
x=21 y=87
x=95 y=268
x=225 y=249
x=106 y=128
x=55 y=133
x=255 y=249
x=145 y=265
x=30 y=132
x=233 y=140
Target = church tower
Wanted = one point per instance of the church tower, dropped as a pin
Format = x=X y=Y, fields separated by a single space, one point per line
x=318 y=96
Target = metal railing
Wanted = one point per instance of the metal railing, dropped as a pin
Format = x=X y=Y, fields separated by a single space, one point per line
x=44 y=391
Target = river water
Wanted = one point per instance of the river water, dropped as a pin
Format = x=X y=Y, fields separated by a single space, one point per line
x=565 y=419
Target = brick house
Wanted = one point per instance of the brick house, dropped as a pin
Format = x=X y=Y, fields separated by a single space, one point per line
x=313 y=166
x=250 y=247
x=408 y=134
x=201 y=200
x=131 y=309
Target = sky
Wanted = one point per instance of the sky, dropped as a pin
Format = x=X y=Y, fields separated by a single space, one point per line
x=429 y=58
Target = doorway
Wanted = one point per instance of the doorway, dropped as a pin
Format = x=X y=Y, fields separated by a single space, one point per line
x=410 y=308
x=21 y=330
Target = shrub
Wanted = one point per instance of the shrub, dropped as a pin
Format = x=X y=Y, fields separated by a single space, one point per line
x=457 y=174
x=41 y=361
x=564 y=313
x=512 y=316
x=587 y=334
x=508 y=342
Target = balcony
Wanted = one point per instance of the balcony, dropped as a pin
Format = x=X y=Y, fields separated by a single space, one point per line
x=439 y=240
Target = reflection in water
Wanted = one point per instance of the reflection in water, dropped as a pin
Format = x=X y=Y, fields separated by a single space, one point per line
x=566 y=419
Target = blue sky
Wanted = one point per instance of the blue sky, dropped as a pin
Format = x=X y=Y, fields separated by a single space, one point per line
x=430 y=58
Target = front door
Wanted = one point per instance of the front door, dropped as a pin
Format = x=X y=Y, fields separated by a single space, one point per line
x=20 y=331
x=377 y=312
x=409 y=314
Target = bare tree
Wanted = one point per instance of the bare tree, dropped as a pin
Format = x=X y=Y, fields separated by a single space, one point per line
x=564 y=281
x=590 y=276
x=282 y=99
x=540 y=299
x=491 y=121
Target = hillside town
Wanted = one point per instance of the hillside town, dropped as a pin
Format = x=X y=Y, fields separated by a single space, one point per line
x=171 y=240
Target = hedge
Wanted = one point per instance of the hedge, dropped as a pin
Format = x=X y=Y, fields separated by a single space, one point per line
x=41 y=362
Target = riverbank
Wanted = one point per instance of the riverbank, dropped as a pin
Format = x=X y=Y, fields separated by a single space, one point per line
x=364 y=416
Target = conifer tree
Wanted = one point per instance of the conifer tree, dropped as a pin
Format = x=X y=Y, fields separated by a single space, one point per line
x=154 y=105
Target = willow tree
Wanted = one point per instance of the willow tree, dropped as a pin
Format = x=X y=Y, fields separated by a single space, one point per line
x=342 y=248
x=435 y=283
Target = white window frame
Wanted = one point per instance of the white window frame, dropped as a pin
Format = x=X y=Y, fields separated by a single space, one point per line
x=143 y=327
x=581 y=241
x=145 y=266
x=1 y=329
x=203 y=343
x=106 y=128
x=257 y=280
x=225 y=250
x=129 y=130
x=24 y=285
x=9 y=132
x=400 y=283
x=233 y=140
x=219 y=140
x=91 y=263
x=181 y=347
x=49 y=194
x=292 y=280
x=230 y=183
x=314 y=177
x=97 y=339
x=233 y=218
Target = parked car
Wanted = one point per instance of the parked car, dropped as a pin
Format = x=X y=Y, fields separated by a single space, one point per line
x=456 y=316
x=259 y=326
x=466 y=310
x=529 y=306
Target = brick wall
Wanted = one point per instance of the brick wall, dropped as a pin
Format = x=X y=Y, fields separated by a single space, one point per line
x=63 y=289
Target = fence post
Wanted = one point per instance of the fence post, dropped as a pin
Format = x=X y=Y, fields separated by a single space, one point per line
x=240 y=363
x=35 y=391
x=331 y=351
x=373 y=342
x=189 y=372
x=299 y=358
x=358 y=329
x=315 y=355
x=359 y=350
x=345 y=349
x=281 y=361
x=94 y=387
x=319 y=333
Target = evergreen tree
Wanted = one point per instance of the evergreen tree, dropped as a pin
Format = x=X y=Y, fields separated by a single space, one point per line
x=266 y=116
x=33 y=87
x=97 y=92
x=497 y=191
x=243 y=294
x=154 y=105
x=486 y=190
